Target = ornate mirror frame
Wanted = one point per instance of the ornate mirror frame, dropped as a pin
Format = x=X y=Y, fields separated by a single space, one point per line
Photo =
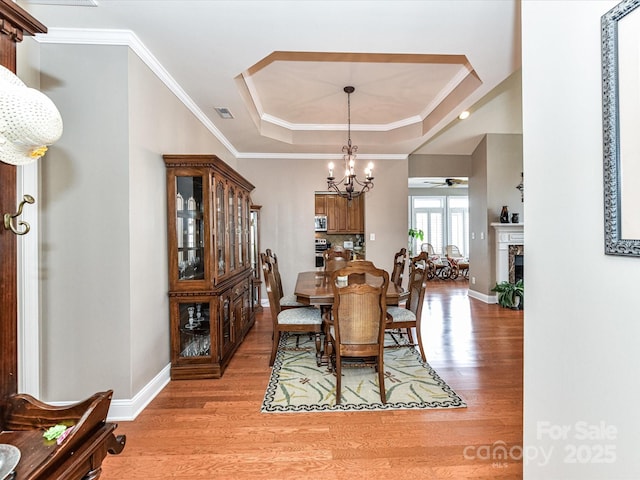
x=621 y=115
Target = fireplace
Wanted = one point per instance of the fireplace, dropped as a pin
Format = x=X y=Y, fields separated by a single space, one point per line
x=516 y=263
x=509 y=260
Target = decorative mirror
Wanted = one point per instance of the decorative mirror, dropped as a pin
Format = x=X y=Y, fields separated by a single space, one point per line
x=621 y=118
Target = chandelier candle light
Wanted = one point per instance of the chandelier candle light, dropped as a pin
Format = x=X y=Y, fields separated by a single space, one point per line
x=350 y=180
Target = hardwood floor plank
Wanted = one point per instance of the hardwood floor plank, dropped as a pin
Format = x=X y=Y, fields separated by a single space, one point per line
x=206 y=429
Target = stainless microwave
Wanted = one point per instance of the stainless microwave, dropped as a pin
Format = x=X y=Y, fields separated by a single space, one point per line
x=321 y=223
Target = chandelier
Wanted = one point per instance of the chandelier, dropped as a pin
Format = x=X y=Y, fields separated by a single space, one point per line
x=352 y=186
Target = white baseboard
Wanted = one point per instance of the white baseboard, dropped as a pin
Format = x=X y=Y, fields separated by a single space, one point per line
x=482 y=297
x=129 y=409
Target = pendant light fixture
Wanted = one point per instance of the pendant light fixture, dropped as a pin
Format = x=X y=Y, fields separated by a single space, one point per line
x=352 y=187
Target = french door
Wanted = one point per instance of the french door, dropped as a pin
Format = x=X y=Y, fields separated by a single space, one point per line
x=444 y=220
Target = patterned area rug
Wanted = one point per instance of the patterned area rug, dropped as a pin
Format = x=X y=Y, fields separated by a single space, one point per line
x=297 y=384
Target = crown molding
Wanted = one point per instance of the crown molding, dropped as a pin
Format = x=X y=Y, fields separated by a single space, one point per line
x=321 y=156
x=131 y=40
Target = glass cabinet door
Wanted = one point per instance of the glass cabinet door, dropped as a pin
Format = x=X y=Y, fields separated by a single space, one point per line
x=233 y=225
x=253 y=241
x=246 y=215
x=254 y=256
x=240 y=229
x=195 y=330
x=190 y=228
x=220 y=206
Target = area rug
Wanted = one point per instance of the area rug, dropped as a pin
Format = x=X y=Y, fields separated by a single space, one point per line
x=297 y=384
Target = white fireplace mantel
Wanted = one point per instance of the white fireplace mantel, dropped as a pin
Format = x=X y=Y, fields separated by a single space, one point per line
x=506 y=234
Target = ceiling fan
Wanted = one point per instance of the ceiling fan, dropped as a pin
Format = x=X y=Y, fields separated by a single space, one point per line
x=447 y=182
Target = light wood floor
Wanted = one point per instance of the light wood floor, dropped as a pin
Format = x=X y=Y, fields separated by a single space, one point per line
x=213 y=429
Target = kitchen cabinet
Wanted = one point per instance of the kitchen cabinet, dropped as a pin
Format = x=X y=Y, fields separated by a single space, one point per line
x=210 y=264
x=355 y=215
x=343 y=216
x=321 y=204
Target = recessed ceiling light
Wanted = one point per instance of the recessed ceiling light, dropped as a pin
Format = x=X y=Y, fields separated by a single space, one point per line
x=224 y=112
x=464 y=115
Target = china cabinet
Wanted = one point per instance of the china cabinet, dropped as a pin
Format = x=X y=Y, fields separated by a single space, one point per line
x=254 y=252
x=210 y=263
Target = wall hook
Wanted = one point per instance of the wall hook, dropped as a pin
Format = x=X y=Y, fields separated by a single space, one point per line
x=8 y=225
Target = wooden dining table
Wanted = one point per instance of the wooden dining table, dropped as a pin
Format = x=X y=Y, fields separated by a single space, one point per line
x=315 y=289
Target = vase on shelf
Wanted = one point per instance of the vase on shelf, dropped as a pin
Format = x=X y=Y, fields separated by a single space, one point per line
x=504 y=215
x=515 y=218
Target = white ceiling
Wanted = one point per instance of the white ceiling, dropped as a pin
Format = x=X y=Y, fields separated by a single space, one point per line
x=280 y=68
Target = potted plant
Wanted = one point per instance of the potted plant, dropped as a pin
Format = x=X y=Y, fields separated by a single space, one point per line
x=413 y=235
x=510 y=295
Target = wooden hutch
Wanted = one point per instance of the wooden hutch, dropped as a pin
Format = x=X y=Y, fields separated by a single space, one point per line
x=23 y=418
x=211 y=282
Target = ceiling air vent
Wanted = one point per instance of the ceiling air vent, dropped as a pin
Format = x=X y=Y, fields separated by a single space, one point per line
x=224 y=112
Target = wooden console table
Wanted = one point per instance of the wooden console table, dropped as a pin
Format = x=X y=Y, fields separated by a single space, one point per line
x=79 y=457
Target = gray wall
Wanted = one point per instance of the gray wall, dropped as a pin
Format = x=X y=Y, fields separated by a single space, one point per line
x=439 y=166
x=503 y=165
x=481 y=261
x=104 y=306
x=84 y=207
x=581 y=320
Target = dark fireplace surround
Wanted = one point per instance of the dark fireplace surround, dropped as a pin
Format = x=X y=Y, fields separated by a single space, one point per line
x=516 y=263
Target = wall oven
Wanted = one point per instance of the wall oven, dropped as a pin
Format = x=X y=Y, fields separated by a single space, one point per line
x=321 y=246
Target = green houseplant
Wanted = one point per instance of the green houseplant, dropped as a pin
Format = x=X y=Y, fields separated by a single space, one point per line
x=413 y=235
x=510 y=295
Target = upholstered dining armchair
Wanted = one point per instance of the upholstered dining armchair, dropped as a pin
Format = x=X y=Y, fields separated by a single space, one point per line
x=359 y=317
x=294 y=320
x=410 y=315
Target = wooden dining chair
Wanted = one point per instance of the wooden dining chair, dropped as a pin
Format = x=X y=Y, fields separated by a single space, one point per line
x=410 y=315
x=335 y=263
x=399 y=261
x=293 y=320
x=337 y=252
x=286 y=301
x=358 y=324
